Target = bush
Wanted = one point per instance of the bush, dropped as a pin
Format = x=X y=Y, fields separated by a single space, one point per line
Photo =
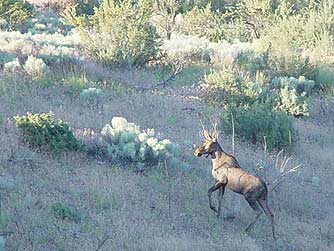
x=119 y=32
x=35 y=67
x=292 y=95
x=15 y=13
x=260 y=124
x=125 y=141
x=63 y=212
x=251 y=61
x=12 y=66
x=202 y=22
x=301 y=84
x=291 y=102
x=41 y=130
x=231 y=86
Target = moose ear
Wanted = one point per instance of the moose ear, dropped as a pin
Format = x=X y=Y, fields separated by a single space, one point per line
x=214 y=136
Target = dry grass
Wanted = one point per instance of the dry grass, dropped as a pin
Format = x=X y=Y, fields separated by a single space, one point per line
x=124 y=211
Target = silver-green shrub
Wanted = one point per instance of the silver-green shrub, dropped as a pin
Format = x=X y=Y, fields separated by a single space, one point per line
x=35 y=67
x=229 y=85
x=291 y=102
x=293 y=94
x=126 y=141
x=12 y=66
x=119 y=32
x=90 y=92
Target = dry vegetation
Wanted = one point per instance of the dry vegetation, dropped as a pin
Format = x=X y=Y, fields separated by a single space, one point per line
x=114 y=206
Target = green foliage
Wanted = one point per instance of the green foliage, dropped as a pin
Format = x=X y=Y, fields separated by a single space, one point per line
x=5 y=58
x=119 y=32
x=46 y=23
x=254 y=15
x=301 y=85
x=260 y=125
x=63 y=212
x=41 y=130
x=232 y=86
x=290 y=102
x=325 y=77
x=251 y=61
x=14 y=13
x=202 y=22
x=125 y=141
x=164 y=16
x=293 y=95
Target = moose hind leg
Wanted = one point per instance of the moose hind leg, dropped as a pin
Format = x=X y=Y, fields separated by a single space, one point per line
x=253 y=204
x=264 y=205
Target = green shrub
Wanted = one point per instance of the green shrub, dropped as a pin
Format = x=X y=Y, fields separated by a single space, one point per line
x=202 y=22
x=251 y=61
x=291 y=102
x=325 y=78
x=41 y=130
x=119 y=32
x=231 y=86
x=260 y=125
x=292 y=94
x=125 y=141
x=301 y=84
x=15 y=13
x=63 y=212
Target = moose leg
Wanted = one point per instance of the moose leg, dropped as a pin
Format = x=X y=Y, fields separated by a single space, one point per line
x=220 y=199
x=264 y=205
x=211 y=190
x=253 y=203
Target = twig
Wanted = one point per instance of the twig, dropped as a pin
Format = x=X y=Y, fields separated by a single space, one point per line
x=103 y=241
x=233 y=133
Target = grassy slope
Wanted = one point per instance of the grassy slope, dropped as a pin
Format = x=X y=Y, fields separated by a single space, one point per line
x=152 y=211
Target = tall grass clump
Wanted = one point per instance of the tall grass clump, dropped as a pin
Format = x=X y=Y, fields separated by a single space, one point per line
x=119 y=32
x=260 y=125
x=125 y=141
x=43 y=131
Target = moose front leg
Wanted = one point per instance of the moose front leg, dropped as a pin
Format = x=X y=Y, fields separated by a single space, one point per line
x=220 y=199
x=216 y=186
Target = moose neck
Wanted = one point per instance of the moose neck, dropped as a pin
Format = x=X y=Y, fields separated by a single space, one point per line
x=217 y=155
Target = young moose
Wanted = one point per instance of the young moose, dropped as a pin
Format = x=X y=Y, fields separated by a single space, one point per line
x=227 y=172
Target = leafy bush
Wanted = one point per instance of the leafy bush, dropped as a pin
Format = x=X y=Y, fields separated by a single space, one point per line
x=63 y=212
x=251 y=61
x=15 y=13
x=119 y=32
x=260 y=124
x=230 y=85
x=301 y=84
x=90 y=92
x=291 y=102
x=35 y=67
x=292 y=94
x=125 y=141
x=202 y=22
x=325 y=77
x=41 y=130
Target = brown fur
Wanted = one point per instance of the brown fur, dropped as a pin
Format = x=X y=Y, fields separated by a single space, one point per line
x=227 y=173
